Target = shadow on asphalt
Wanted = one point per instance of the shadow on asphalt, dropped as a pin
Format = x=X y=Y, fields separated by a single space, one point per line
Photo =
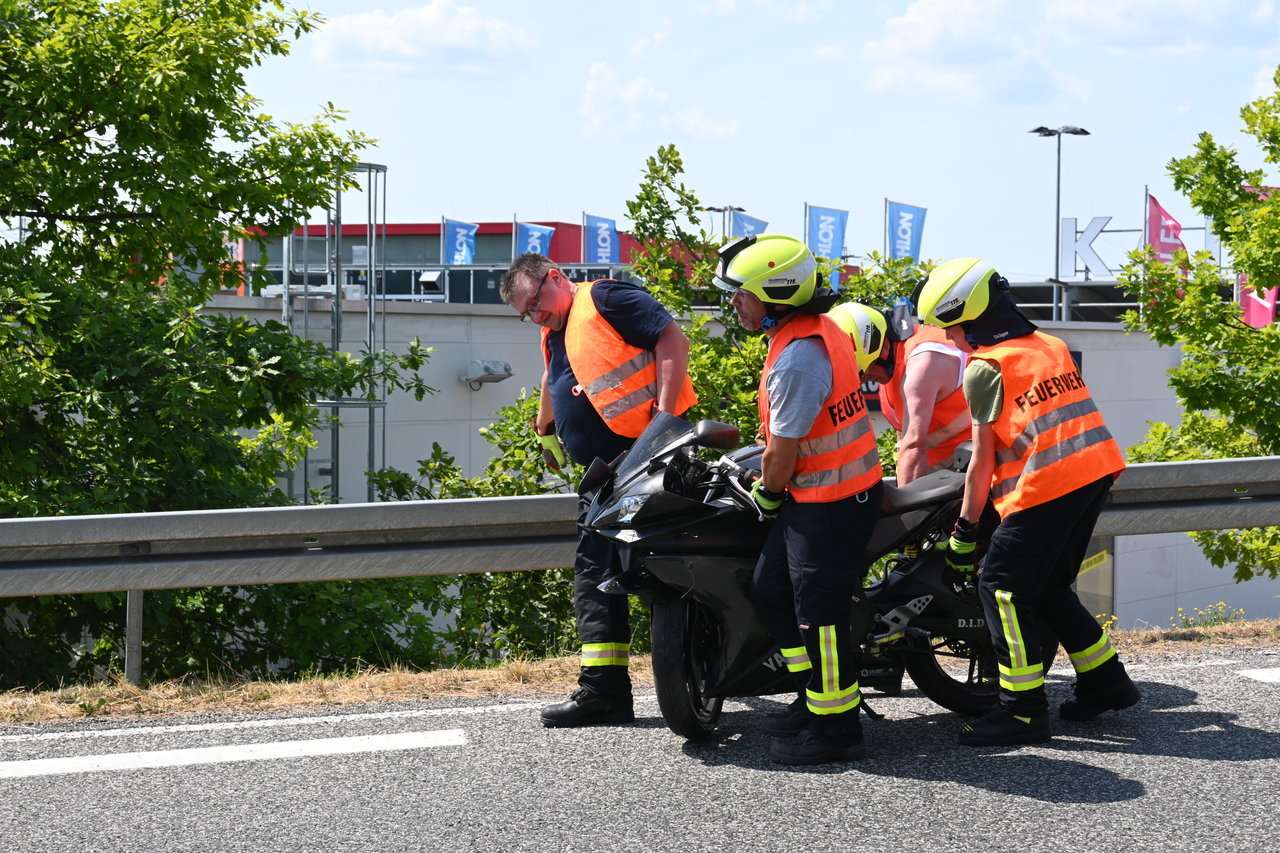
x=924 y=747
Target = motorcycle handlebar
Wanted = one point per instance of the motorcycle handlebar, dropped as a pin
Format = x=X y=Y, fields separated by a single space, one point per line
x=739 y=480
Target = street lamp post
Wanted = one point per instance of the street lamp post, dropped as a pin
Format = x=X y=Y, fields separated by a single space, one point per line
x=724 y=213
x=1057 y=210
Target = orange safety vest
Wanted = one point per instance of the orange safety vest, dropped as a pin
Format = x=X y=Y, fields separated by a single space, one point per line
x=619 y=379
x=837 y=458
x=1050 y=437
x=950 y=424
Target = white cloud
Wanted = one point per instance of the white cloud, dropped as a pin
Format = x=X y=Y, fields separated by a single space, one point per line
x=610 y=107
x=1000 y=50
x=1164 y=27
x=654 y=41
x=699 y=125
x=828 y=51
x=947 y=47
x=1264 y=84
x=720 y=7
x=440 y=35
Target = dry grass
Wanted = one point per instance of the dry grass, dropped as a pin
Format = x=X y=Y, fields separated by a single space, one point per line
x=1256 y=633
x=535 y=679
x=119 y=699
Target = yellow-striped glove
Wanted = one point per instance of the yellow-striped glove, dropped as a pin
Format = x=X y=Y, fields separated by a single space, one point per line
x=768 y=502
x=552 y=449
x=962 y=547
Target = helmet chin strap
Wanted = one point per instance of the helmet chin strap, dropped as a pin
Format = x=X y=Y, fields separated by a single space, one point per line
x=774 y=314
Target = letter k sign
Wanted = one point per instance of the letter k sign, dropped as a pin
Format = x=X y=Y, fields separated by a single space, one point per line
x=1082 y=246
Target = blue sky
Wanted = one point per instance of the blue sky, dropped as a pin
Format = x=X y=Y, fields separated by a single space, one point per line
x=485 y=110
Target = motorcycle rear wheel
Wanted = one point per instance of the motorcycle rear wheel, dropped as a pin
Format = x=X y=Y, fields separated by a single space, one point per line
x=686 y=645
x=959 y=675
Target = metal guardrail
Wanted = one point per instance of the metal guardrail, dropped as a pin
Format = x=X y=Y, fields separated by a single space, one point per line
x=233 y=547
x=141 y=551
x=1210 y=494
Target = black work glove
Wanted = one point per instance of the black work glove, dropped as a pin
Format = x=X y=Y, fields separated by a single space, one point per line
x=962 y=547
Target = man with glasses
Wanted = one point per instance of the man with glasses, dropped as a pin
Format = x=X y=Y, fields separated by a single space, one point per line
x=612 y=356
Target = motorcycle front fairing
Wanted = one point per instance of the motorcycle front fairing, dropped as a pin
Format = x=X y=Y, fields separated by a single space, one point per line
x=667 y=529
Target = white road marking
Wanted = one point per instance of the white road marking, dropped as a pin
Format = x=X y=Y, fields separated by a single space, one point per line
x=225 y=754
x=1270 y=675
x=264 y=724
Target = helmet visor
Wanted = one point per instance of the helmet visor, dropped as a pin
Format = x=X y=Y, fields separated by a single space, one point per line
x=728 y=286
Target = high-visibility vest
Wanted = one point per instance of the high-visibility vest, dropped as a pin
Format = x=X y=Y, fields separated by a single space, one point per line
x=619 y=379
x=1050 y=437
x=950 y=424
x=837 y=458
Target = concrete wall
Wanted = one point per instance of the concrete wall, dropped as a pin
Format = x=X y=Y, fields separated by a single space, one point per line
x=453 y=416
x=1153 y=575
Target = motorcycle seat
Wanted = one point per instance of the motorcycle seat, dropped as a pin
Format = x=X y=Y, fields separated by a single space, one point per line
x=929 y=490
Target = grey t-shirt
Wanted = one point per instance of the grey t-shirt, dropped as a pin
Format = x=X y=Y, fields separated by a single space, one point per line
x=798 y=384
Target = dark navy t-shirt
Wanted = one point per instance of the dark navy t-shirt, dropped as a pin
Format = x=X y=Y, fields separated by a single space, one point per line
x=640 y=320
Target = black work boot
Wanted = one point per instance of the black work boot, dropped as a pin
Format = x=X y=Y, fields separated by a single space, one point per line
x=789 y=721
x=1092 y=699
x=822 y=741
x=1001 y=727
x=585 y=708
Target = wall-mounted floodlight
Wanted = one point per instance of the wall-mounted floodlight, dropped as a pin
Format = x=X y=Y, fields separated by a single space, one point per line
x=485 y=370
x=430 y=281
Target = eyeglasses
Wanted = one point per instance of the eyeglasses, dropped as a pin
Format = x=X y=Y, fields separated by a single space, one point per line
x=527 y=314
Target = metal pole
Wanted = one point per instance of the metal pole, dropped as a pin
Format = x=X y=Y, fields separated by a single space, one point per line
x=335 y=266
x=133 y=636
x=371 y=329
x=1057 y=237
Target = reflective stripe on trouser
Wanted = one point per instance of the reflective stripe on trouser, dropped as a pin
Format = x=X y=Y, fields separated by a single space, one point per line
x=606 y=654
x=1033 y=558
x=1094 y=656
x=796 y=659
x=603 y=619
x=830 y=692
x=1025 y=670
x=804 y=573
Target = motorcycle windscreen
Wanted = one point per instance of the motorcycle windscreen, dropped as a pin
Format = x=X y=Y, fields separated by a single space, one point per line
x=665 y=433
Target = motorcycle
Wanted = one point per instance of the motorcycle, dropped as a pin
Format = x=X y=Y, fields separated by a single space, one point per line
x=688 y=535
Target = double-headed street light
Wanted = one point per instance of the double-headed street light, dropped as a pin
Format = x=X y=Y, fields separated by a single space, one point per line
x=1057 y=207
x=724 y=213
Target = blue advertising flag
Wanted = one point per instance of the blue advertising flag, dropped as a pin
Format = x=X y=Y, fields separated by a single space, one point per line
x=905 y=226
x=741 y=225
x=826 y=231
x=600 y=240
x=533 y=238
x=459 y=242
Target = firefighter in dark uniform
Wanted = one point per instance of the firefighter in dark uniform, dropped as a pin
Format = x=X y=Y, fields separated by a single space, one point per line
x=820 y=479
x=1046 y=460
x=612 y=357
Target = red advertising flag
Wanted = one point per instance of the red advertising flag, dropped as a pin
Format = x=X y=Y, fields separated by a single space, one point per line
x=1259 y=309
x=1164 y=233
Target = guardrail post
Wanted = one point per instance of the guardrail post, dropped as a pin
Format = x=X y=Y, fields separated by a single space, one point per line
x=133 y=637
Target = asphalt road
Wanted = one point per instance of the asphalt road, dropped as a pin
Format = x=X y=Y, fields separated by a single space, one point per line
x=1194 y=767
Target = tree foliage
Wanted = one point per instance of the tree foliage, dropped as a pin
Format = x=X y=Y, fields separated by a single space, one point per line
x=1229 y=378
x=131 y=154
x=532 y=613
x=676 y=260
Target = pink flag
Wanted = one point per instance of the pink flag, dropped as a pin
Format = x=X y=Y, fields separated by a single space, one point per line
x=1164 y=233
x=1259 y=310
